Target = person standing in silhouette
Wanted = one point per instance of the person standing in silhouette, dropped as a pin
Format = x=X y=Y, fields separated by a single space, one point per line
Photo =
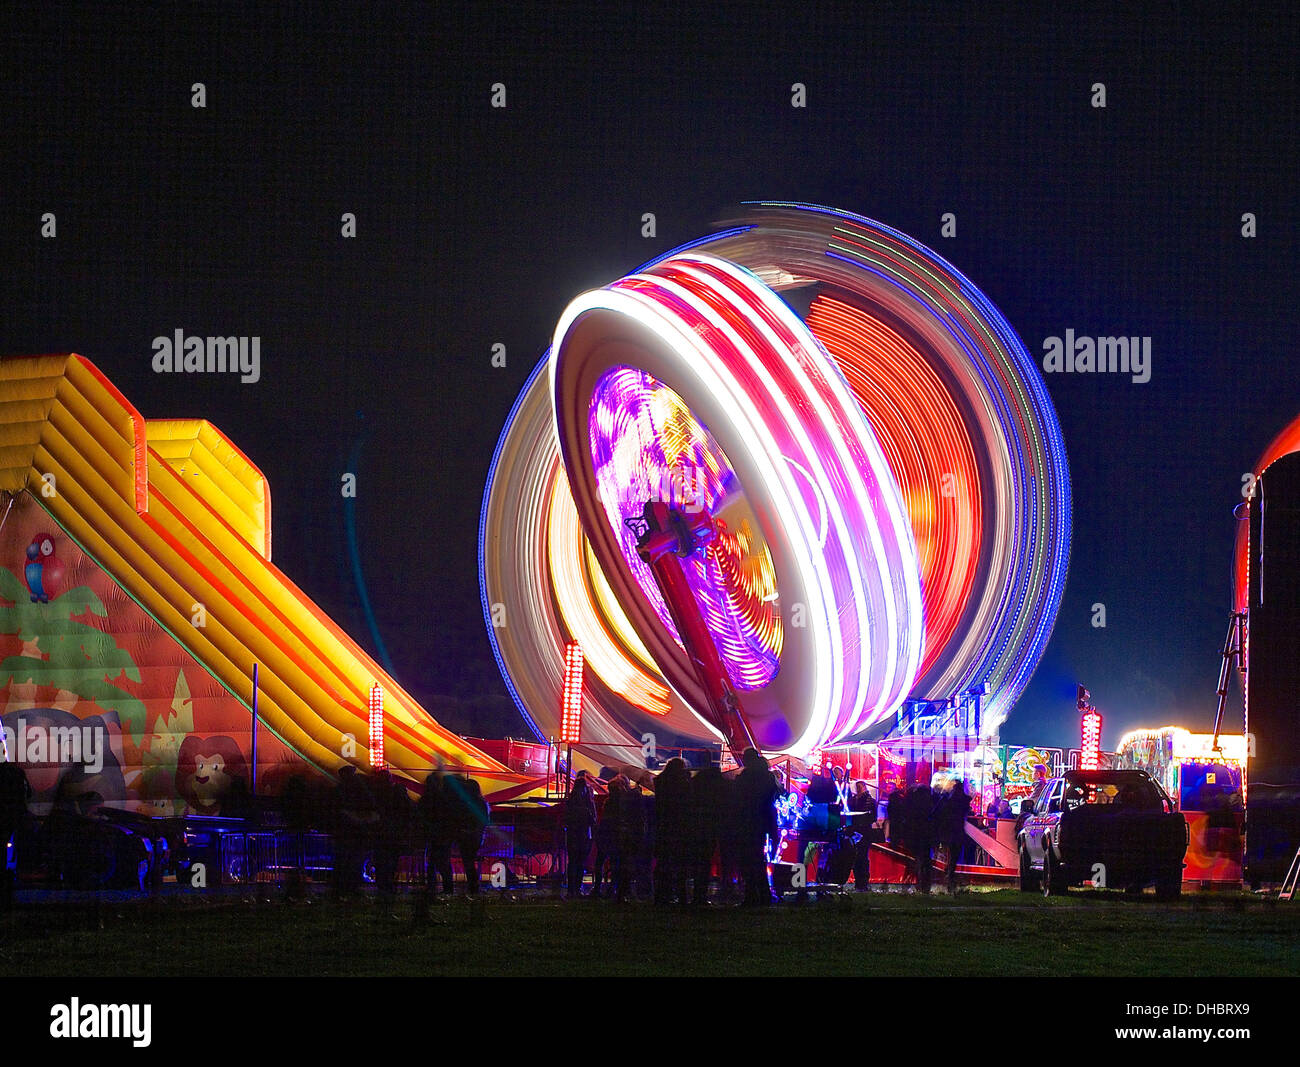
x=631 y=840
x=756 y=793
x=919 y=807
x=953 y=810
x=579 y=822
x=470 y=816
x=862 y=822
x=896 y=815
x=672 y=831
x=295 y=806
x=608 y=834
x=355 y=823
x=392 y=833
x=433 y=816
x=705 y=830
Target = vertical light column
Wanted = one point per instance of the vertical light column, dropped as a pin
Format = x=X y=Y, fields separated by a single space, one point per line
x=1090 y=757
x=571 y=711
x=377 y=728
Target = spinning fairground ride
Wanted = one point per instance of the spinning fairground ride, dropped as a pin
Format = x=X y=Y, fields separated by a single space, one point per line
x=776 y=484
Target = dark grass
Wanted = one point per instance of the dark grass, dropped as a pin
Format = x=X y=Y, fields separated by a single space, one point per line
x=976 y=933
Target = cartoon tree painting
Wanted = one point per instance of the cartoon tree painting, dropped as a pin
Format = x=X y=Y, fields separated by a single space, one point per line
x=159 y=753
x=62 y=652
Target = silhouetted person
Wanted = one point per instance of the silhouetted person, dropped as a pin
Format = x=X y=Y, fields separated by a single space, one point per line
x=433 y=817
x=672 y=834
x=919 y=808
x=579 y=824
x=729 y=845
x=896 y=816
x=863 y=806
x=823 y=800
x=469 y=818
x=608 y=834
x=631 y=840
x=15 y=792
x=821 y=789
x=64 y=833
x=705 y=827
x=391 y=836
x=355 y=821
x=952 y=811
x=757 y=791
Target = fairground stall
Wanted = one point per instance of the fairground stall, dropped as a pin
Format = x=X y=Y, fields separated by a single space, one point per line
x=931 y=744
x=1207 y=782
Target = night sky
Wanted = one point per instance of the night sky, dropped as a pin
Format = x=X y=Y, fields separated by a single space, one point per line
x=476 y=225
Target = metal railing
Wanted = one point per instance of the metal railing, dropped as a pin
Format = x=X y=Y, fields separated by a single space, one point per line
x=274 y=856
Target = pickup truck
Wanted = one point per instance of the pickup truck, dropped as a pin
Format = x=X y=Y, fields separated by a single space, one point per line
x=1110 y=829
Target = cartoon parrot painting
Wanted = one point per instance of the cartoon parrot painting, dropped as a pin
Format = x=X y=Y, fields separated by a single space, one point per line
x=43 y=571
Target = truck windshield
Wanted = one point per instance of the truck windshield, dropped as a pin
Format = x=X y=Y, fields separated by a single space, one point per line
x=1134 y=795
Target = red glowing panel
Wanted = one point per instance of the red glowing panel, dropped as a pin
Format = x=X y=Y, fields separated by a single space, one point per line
x=1090 y=757
x=376 y=726
x=571 y=711
x=929 y=451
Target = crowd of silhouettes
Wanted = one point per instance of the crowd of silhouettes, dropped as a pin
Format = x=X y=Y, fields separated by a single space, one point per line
x=452 y=812
x=373 y=816
x=664 y=844
x=920 y=819
x=370 y=817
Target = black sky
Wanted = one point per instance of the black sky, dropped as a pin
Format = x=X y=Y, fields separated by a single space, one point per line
x=477 y=225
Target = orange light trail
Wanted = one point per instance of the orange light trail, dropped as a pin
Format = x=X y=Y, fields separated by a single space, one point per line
x=928 y=449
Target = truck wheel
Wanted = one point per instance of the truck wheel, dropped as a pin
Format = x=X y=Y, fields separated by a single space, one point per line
x=1053 y=876
x=1029 y=878
x=1170 y=887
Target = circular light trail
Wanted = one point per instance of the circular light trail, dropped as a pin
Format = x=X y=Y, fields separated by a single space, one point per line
x=957 y=412
x=929 y=450
x=791 y=442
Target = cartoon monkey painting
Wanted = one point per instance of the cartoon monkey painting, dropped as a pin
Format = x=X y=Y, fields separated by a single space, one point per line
x=205 y=768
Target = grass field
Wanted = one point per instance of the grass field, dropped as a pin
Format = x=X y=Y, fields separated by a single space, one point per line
x=999 y=932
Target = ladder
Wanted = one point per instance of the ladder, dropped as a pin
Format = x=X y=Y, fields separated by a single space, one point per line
x=1234 y=649
x=1292 y=876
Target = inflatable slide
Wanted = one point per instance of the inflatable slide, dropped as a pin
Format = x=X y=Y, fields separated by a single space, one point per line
x=136 y=594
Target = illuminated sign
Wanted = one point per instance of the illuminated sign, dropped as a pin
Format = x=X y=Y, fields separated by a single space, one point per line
x=571 y=711
x=1180 y=744
x=1232 y=747
x=1090 y=756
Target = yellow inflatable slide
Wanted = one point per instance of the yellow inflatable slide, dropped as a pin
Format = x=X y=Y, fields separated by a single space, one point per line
x=179 y=518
